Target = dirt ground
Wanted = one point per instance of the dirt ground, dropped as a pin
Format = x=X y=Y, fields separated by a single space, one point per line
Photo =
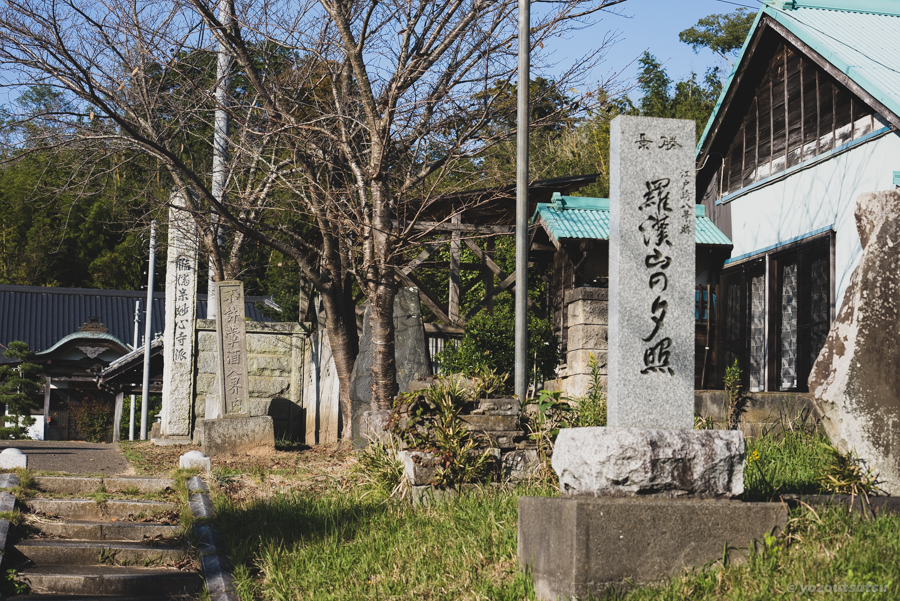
x=246 y=476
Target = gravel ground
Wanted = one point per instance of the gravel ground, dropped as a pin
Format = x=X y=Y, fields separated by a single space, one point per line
x=72 y=457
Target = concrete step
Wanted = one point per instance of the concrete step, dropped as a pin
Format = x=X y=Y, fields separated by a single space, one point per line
x=106 y=530
x=80 y=486
x=87 y=509
x=45 y=552
x=110 y=580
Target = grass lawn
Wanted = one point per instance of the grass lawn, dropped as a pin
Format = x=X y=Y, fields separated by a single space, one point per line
x=305 y=529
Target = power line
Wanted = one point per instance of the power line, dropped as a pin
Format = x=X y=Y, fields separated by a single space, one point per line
x=738 y=4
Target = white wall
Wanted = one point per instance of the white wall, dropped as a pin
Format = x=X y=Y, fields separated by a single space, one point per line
x=817 y=197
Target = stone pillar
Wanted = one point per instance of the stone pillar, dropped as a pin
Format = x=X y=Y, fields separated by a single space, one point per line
x=181 y=309
x=231 y=346
x=587 y=311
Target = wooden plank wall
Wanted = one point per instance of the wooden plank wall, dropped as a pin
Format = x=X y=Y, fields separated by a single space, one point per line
x=798 y=112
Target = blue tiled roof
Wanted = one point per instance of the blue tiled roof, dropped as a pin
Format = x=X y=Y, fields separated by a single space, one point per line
x=861 y=38
x=574 y=217
x=43 y=316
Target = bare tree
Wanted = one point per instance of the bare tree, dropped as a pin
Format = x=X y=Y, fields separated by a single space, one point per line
x=351 y=121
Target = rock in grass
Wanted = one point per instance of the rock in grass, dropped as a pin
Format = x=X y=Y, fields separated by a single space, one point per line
x=630 y=462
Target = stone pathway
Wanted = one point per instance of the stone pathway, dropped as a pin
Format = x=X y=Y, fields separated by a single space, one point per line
x=71 y=457
x=79 y=548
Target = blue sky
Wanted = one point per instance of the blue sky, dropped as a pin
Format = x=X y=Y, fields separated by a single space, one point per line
x=652 y=25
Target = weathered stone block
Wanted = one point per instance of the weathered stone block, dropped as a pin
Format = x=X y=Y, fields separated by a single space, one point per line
x=237 y=435
x=13 y=458
x=579 y=362
x=589 y=337
x=269 y=387
x=579 y=385
x=206 y=363
x=497 y=407
x=269 y=344
x=520 y=465
x=195 y=460
x=576 y=547
x=419 y=467
x=588 y=313
x=490 y=423
x=619 y=462
x=269 y=366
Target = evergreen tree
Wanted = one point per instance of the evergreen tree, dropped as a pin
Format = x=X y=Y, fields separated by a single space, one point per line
x=19 y=385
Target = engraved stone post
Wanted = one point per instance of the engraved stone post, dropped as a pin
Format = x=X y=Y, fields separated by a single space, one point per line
x=181 y=298
x=649 y=446
x=231 y=346
x=651 y=273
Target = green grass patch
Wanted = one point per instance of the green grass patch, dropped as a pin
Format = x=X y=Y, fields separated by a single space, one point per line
x=828 y=547
x=789 y=463
x=341 y=545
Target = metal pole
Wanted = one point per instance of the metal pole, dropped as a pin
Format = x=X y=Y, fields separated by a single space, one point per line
x=137 y=333
x=148 y=319
x=220 y=148
x=521 y=373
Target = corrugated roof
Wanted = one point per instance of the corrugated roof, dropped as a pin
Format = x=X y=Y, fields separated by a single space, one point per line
x=861 y=38
x=575 y=217
x=43 y=316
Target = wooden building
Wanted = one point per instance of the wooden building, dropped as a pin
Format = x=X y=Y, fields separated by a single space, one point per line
x=806 y=122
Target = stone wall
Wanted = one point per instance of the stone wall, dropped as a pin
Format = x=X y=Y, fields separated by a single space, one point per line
x=587 y=311
x=275 y=353
x=760 y=410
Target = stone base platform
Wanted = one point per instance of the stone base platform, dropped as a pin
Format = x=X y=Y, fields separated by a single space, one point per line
x=578 y=546
x=236 y=435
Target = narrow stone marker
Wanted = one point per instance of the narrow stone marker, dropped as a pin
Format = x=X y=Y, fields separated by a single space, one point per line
x=632 y=508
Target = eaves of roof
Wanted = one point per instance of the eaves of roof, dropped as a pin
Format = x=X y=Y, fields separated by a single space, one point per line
x=861 y=39
x=578 y=218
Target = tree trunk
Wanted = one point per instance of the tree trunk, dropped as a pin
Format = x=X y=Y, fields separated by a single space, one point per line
x=384 y=363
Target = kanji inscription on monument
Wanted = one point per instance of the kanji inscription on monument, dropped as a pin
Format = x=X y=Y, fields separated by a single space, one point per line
x=181 y=295
x=231 y=341
x=652 y=273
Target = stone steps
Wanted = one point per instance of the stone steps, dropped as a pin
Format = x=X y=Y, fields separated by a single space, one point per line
x=85 y=549
x=88 y=509
x=107 y=530
x=109 y=580
x=88 y=552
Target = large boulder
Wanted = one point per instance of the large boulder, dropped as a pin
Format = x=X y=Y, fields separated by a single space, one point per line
x=856 y=380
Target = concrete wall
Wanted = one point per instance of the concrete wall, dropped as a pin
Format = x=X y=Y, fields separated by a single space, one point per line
x=274 y=364
x=760 y=411
x=820 y=196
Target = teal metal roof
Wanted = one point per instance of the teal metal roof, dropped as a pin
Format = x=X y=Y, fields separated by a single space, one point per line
x=83 y=336
x=576 y=217
x=861 y=38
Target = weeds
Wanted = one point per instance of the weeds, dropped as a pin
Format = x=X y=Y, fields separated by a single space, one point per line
x=430 y=421
x=590 y=410
x=846 y=473
x=379 y=470
x=733 y=397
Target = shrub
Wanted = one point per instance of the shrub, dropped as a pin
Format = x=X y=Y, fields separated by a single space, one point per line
x=93 y=418
x=19 y=385
x=489 y=342
x=429 y=420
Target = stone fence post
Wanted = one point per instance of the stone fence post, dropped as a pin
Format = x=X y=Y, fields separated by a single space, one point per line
x=587 y=311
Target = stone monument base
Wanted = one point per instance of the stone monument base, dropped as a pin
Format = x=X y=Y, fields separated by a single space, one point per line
x=580 y=546
x=238 y=435
x=627 y=462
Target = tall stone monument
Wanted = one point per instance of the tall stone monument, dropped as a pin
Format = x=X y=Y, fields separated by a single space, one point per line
x=635 y=495
x=229 y=427
x=232 y=380
x=651 y=274
x=181 y=310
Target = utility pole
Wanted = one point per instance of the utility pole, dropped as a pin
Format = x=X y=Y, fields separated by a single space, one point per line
x=521 y=348
x=137 y=324
x=148 y=320
x=220 y=147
